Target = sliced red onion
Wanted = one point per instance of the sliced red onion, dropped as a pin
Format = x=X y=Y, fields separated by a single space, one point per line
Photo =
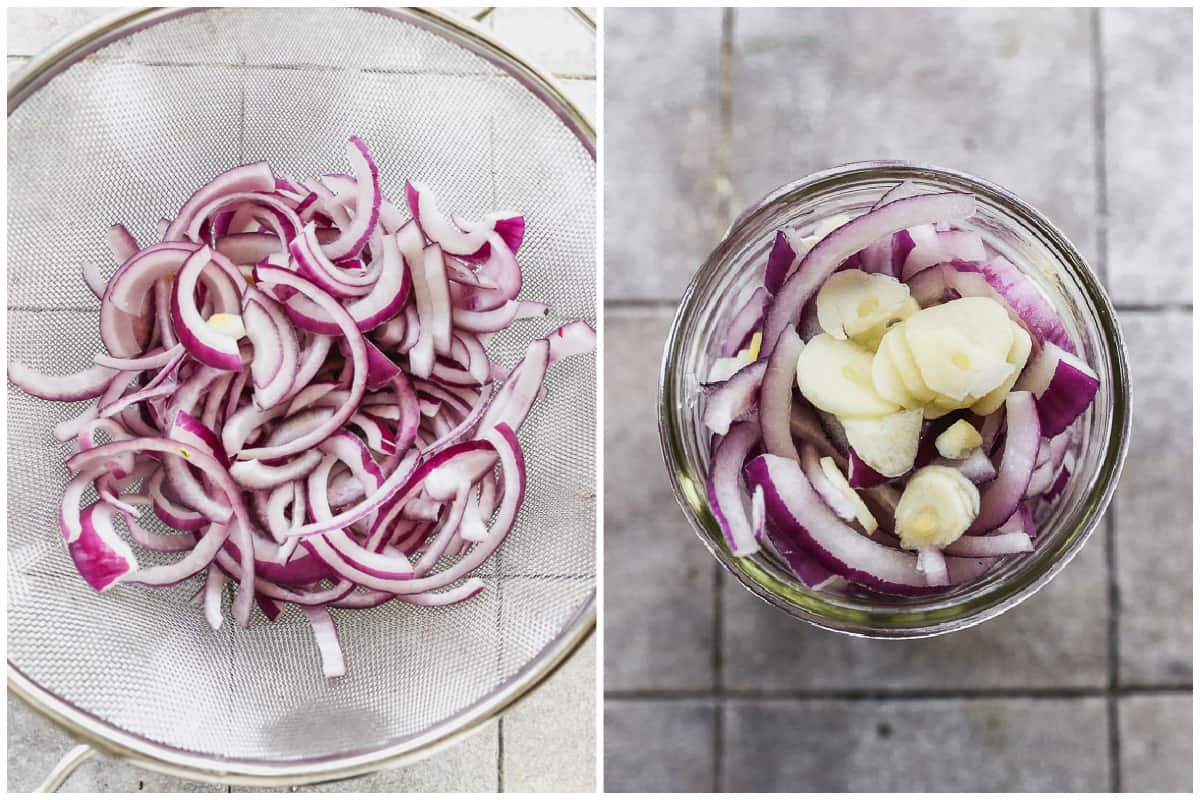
x=745 y=322
x=438 y=289
x=729 y=399
x=1062 y=383
x=201 y=554
x=358 y=352
x=838 y=502
x=351 y=240
x=860 y=475
x=101 y=556
x=333 y=665
x=94 y=280
x=775 y=396
x=1023 y=297
x=779 y=262
x=500 y=271
x=1001 y=497
x=82 y=385
x=313 y=264
x=725 y=490
x=999 y=544
x=254 y=177
x=508 y=225
x=825 y=257
x=440 y=230
x=202 y=340
x=795 y=511
x=976 y=467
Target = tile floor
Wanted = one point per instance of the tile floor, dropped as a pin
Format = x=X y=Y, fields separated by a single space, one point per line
x=1087 y=685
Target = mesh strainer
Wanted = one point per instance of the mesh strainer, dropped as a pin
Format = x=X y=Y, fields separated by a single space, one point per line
x=121 y=124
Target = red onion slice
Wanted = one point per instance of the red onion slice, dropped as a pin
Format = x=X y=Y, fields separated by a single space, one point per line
x=825 y=257
x=725 y=490
x=1001 y=497
x=203 y=341
x=1064 y=387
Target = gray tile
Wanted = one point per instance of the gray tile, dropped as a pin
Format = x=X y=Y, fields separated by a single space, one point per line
x=467 y=766
x=552 y=38
x=583 y=93
x=916 y=746
x=1153 y=507
x=31 y=30
x=15 y=63
x=1006 y=94
x=661 y=74
x=1148 y=127
x=658 y=746
x=1156 y=743
x=659 y=579
x=1057 y=638
x=550 y=738
x=35 y=745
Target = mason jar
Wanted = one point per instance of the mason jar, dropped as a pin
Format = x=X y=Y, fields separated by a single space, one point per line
x=1014 y=229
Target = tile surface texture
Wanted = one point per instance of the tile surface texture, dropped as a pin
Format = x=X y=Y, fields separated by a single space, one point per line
x=1086 y=115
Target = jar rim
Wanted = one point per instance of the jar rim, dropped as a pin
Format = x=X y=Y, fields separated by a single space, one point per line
x=917 y=617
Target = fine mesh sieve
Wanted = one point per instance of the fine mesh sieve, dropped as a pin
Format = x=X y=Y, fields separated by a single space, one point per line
x=121 y=124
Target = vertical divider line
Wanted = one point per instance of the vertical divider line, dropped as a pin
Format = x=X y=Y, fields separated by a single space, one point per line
x=725 y=211
x=1100 y=126
x=1113 y=605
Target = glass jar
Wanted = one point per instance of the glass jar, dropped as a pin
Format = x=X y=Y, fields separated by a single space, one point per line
x=1017 y=231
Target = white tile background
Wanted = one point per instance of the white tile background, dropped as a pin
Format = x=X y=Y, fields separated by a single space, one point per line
x=547 y=743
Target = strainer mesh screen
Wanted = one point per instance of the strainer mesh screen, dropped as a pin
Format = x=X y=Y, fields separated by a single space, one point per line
x=125 y=135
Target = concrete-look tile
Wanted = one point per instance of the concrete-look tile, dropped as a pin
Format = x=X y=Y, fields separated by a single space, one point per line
x=583 y=93
x=550 y=738
x=658 y=746
x=658 y=618
x=1153 y=506
x=916 y=746
x=31 y=30
x=662 y=217
x=1148 y=128
x=466 y=766
x=16 y=63
x=552 y=38
x=1057 y=638
x=35 y=745
x=1156 y=743
x=1006 y=94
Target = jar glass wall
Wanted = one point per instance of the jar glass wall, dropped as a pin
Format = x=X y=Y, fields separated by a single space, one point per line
x=1018 y=232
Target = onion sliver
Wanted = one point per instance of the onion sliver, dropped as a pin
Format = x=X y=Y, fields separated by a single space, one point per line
x=825 y=257
x=1001 y=497
x=725 y=490
x=358 y=353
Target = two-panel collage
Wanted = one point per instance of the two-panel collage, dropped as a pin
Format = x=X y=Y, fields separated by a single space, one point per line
x=599 y=400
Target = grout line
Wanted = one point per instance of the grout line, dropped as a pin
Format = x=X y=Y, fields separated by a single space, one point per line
x=1114 y=647
x=500 y=755
x=1101 y=156
x=725 y=121
x=725 y=211
x=718 y=666
x=877 y=695
x=1113 y=595
x=1152 y=307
